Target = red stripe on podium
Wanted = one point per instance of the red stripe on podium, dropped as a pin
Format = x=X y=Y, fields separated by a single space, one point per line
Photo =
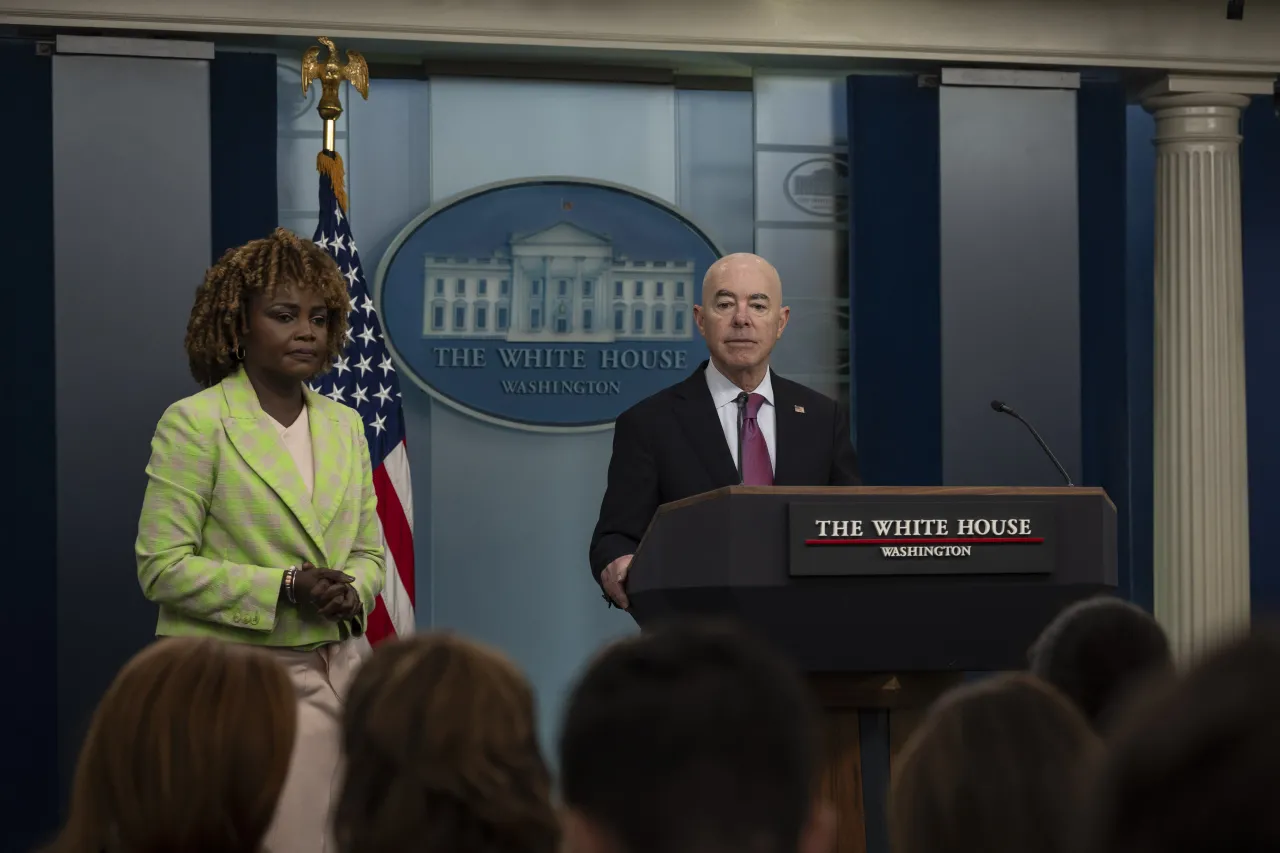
x=959 y=540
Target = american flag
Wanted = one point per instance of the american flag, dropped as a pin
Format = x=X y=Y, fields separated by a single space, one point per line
x=365 y=379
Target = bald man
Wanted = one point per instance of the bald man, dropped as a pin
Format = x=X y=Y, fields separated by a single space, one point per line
x=733 y=421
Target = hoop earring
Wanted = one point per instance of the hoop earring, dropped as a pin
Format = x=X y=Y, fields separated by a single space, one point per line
x=239 y=353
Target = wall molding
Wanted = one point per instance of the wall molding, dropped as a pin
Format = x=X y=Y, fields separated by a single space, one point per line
x=1183 y=34
x=152 y=48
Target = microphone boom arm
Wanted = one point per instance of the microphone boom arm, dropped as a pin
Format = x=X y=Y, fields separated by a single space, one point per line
x=1005 y=410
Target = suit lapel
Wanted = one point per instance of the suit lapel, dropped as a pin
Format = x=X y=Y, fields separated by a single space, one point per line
x=696 y=413
x=256 y=439
x=790 y=426
x=331 y=449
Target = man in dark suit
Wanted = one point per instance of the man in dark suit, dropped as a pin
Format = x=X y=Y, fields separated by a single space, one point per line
x=733 y=421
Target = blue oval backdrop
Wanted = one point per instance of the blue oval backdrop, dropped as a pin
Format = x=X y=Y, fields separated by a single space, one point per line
x=551 y=304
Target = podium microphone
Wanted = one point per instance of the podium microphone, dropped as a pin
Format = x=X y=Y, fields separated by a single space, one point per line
x=1003 y=409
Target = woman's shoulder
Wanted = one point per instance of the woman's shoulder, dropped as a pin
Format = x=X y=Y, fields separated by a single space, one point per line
x=200 y=409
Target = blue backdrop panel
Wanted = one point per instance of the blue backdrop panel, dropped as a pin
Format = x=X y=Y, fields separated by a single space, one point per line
x=1260 y=199
x=894 y=250
x=242 y=112
x=1140 y=229
x=1104 y=407
x=895 y=323
x=28 y=786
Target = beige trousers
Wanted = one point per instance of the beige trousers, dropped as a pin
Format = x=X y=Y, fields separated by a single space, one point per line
x=321 y=678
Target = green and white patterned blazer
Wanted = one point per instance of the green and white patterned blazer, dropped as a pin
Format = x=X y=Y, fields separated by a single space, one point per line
x=226 y=514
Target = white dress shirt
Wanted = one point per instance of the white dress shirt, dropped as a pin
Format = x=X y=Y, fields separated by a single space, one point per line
x=724 y=395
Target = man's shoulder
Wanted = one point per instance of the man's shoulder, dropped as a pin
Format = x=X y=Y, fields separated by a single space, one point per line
x=812 y=401
x=660 y=402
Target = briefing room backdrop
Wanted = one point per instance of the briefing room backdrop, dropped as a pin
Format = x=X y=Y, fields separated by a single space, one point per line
x=121 y=213
x=1037 y=309
x=504 y=514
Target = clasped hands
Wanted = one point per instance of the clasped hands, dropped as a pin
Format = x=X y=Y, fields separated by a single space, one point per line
x=329 y=591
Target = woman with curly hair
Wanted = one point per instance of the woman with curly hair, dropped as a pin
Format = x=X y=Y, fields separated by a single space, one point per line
x=442 y=754
x=259 y=524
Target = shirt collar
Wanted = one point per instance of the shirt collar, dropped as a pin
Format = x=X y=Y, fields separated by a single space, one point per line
x=299 y=425
x=724 y=392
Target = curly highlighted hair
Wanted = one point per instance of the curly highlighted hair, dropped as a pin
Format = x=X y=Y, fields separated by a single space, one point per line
x=219 y=316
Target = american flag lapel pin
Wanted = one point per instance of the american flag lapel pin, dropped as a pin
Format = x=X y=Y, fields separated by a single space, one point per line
x=799 y=410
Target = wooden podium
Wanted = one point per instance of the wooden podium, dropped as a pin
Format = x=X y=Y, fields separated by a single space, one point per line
x=883 y=596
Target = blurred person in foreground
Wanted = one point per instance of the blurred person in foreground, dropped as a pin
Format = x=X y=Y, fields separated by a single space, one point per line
x=1194 y=763
x=442 y=754
x=187 y=751
x=998 y=766
x=692 y=739
x=1098 y=651
x=259 y=524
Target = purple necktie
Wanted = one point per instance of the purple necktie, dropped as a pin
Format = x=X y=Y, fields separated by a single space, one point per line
x=756 y=470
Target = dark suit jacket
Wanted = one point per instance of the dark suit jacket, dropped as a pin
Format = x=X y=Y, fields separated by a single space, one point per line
x=671 y=445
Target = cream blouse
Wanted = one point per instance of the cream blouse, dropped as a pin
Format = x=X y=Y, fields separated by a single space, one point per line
x=297 y=439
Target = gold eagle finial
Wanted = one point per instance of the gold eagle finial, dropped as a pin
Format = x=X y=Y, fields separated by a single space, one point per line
x=331 y=74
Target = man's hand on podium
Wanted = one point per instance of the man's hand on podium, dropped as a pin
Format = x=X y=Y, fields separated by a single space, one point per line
x=614 y=577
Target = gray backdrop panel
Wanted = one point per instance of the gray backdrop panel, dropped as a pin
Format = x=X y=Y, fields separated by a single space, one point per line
x=1010 y=283
x=131 y=242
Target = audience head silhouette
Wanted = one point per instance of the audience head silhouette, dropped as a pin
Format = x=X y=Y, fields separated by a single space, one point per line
x=442 y=754
x=999 y=766
x=691 y=740
x=187 y=751
x=1097 y=651
x=1193 y=763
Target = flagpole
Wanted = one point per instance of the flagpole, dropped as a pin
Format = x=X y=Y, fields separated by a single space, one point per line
x=391 y=612
x=330 y=133
x=331 y=74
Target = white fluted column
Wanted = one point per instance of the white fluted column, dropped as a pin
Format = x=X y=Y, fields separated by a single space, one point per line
x=1201 y=478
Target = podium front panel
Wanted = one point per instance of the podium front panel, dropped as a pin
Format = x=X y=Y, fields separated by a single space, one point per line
x=732 y=554
x=912 y=535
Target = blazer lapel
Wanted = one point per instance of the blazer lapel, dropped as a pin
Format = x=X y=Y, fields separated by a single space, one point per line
x=696 y=413
x=331 y=449
x=790 y=427
x=258 y=443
